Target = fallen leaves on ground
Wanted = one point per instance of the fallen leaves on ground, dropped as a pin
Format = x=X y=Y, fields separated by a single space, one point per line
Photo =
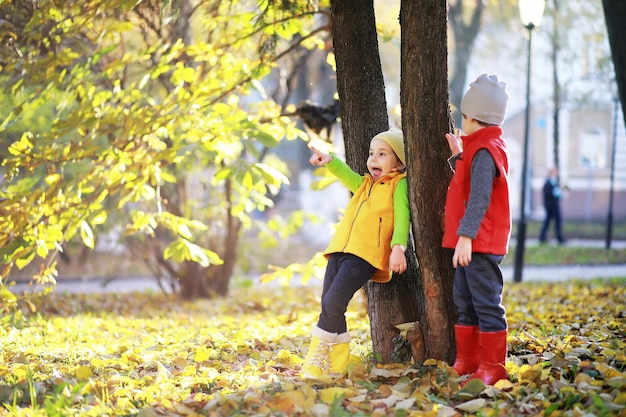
x=153 y=355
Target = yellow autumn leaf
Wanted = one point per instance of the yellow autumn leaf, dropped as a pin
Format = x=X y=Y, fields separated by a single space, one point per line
x=83 y=372
x=328 y=395
x=87 y=235
x=201 y=356
x=300 y=398
x=284 y=405
x=6 y=296
x=285 y=357
x=20 y=372
x=608 y=371
x=503 y=385
x=52 y=179
x=528 y=373
x=189 y=370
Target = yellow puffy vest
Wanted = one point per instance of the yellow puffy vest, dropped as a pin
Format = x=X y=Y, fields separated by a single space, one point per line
x=367 y=226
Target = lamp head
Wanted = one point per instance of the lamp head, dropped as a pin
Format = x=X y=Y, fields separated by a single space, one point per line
x=531 y=12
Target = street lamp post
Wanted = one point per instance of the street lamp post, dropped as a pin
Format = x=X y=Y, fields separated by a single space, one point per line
x=531 y=12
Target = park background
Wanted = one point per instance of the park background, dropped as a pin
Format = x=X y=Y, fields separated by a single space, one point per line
x=52 y=371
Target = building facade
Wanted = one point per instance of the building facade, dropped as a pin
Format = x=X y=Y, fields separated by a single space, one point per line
x=590 y=141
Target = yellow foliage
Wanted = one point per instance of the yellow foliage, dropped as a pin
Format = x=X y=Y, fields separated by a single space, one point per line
x=151 y=354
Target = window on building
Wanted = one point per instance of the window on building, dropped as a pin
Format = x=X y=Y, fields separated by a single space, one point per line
x=592 y=148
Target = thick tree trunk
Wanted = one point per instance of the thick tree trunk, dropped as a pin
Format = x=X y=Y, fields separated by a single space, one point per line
x=360 y=85
x=426 y=117
x=615 y=15
x=360 y=82
x=391 y=304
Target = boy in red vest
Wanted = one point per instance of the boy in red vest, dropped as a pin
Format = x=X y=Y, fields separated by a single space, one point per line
x=478 y=228
x=369 y=244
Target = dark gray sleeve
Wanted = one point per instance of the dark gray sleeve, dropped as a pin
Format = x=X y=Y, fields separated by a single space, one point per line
x=483 y=173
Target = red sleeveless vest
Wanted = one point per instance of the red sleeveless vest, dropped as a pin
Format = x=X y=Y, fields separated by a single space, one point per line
x=495 y=229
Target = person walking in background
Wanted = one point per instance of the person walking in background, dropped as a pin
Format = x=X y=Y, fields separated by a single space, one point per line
x=477 y=225
x=552 y=203
x=369 y=244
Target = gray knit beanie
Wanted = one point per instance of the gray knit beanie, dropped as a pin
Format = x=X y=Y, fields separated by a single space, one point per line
x=486 y=100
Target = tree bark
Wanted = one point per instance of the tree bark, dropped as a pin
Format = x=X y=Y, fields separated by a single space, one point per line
x=426 y=118
x=615 y=15
x=196 y=281
x=360 y=86
x=391 y=304
x=360 y=82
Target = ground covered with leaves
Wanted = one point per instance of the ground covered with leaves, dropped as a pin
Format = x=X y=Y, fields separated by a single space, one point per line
x=152 y=355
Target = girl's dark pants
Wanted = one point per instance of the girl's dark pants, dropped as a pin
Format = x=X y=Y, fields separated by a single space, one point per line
x=345 y=274
x=477 y=293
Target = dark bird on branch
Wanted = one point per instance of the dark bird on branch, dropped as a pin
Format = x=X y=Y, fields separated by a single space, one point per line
x=318 y=118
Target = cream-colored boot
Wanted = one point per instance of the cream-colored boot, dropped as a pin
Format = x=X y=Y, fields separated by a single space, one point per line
x=317 y=361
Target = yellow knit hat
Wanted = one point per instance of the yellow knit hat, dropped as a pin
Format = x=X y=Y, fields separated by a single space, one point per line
x=395 y=139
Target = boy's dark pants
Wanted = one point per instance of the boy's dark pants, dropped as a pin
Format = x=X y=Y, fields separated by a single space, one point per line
x=477 y=293
x=345 y=274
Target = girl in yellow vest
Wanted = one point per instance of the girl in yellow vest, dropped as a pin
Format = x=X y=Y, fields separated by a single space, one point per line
x=369 y=244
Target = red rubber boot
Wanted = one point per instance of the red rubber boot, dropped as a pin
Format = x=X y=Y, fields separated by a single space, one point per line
x=467 y=344
x=492 y=357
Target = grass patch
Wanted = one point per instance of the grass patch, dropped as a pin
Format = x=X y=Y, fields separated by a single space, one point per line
x=545 y=255
x=577 y=230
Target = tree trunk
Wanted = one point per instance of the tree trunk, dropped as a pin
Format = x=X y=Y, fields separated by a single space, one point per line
x=360 y=82
x=360 y=86
x=556 y=86
x=196 y=281
x=614 y=15
x=201 y=282
x=426 y=117
x=394 y=303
